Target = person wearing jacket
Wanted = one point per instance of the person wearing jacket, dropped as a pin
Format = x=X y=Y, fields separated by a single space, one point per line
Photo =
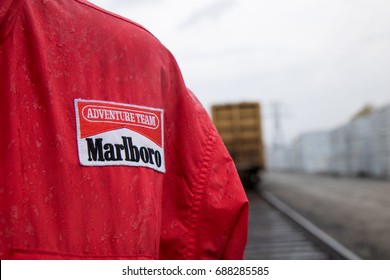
x=104 y=152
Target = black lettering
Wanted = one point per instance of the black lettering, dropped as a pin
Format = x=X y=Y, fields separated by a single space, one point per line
x=134 y=152
x=99 y=151
x=157 y=158
x=119 y=148
x=151 y=154
x=126 y=147
x=95 y=151
x=144 y=154
x=110 y=154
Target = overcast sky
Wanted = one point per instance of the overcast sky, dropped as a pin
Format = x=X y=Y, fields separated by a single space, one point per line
x=321 y=60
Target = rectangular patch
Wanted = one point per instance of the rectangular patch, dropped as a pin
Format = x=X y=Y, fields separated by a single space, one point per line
x=110 y=134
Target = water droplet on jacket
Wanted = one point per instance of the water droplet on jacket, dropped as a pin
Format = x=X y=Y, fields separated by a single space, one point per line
x=38 y=143
x=14 y=212
x=29 y=229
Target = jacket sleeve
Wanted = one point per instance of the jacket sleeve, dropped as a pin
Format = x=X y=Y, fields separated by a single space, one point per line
x=222 y=228
x=205 y=209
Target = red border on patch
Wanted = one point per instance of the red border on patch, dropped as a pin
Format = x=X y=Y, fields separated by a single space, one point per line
x=100 y=116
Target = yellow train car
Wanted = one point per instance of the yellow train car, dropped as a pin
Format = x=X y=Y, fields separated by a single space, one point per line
x=240 y=127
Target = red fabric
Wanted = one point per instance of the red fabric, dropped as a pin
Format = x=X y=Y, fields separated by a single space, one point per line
x=52 y=207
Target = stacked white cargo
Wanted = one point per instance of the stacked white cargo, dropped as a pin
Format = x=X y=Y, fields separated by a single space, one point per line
x=360 y=157
x=386 y=112
x=380 y=139
x=359 y=148
x=340 y=151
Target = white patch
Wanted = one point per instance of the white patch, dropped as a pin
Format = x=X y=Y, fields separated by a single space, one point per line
x=115 y=134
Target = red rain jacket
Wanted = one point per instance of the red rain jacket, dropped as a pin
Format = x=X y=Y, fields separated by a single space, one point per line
x=104 y=153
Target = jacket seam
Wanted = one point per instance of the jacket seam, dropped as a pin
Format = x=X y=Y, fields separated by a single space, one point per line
x=199 y=191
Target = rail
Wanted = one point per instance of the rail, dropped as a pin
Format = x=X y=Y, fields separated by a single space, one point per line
x=326 y=240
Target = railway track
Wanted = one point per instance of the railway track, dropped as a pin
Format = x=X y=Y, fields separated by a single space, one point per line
x=277 y=232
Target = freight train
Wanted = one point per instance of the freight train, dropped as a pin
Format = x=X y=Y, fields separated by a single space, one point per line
x=240 y=127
